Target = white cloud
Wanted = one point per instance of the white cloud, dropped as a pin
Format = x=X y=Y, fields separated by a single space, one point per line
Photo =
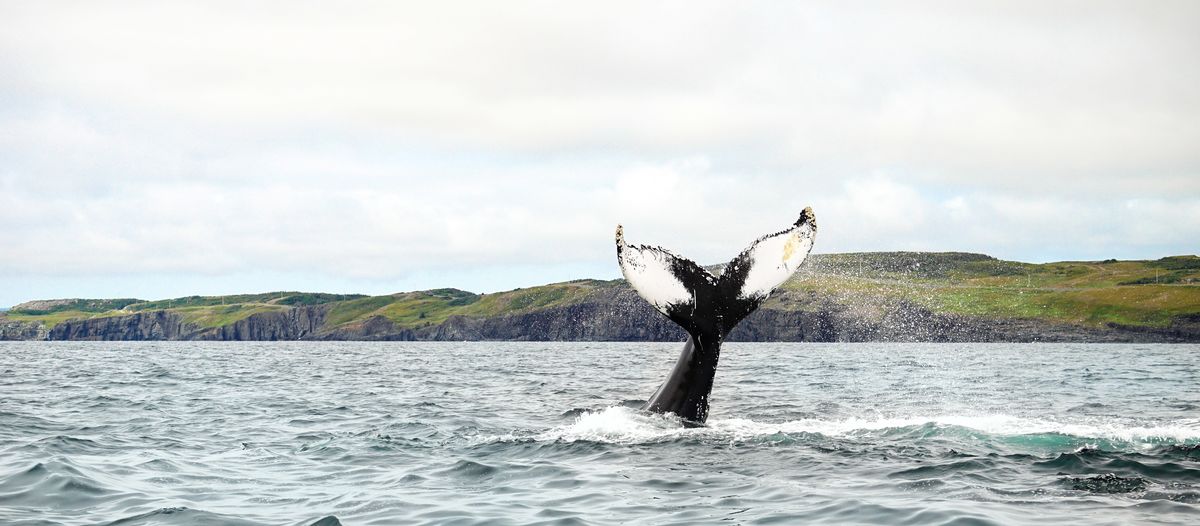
x=881 y=206
x=1088 y=93
x=389 y=140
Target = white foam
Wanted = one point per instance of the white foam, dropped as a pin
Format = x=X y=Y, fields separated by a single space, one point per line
x=1004 y=425
x=623 y=425
x=617 y=425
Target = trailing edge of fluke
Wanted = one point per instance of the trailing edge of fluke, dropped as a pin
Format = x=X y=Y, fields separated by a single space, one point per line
x=709 y=306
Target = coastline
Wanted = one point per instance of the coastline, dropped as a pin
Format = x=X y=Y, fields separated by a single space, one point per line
x=873 y=297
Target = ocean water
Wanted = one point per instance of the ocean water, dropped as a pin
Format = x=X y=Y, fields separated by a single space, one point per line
x=187 y=433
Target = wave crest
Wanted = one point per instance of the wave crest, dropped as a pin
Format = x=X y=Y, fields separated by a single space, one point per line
x=623 y=425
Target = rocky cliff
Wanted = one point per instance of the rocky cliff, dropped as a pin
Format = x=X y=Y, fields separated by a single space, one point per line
x=852 y=297
x=22 y=330
x=154 y=325
x=619 y=315
x=296 y=323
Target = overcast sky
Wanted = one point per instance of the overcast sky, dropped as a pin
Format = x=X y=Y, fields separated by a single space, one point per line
x=159 y=149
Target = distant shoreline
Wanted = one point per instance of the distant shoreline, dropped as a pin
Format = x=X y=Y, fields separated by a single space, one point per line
x=884 y=297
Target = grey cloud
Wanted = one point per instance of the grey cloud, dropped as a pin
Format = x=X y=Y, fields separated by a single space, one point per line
x=1012 y=91
x=389 y=139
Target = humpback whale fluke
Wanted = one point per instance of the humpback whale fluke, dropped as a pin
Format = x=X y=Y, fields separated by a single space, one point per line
x=709 y=306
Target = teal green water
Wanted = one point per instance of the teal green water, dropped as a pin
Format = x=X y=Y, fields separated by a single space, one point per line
x=189 y=433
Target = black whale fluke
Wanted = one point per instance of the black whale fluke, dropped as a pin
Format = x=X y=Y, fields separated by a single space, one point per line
x=709 y=306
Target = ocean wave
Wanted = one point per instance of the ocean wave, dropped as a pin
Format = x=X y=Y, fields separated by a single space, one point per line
x=292 y=434
x=623 y=425
x=51 y=482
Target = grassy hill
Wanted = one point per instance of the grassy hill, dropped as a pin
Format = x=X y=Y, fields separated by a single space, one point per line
x=1148 y=294
x=1093 y=293
x=205 y=311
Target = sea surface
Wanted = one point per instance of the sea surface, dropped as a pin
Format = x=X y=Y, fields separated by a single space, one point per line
x=189 y=433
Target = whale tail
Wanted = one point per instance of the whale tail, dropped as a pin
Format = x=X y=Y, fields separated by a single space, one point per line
x=708 y=307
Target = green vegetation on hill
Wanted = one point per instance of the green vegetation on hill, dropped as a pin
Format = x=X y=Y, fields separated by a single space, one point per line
x=1176 y=269
x=203 y=311
x=268 y=298
x=41 y=307
x=1133 y=293
x=220 y=315
x=431 y=307
x=1079 y=292
x=54 y=318
x=359 y=309
x=409 y=309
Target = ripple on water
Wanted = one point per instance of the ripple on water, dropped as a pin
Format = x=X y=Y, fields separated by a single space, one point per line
x=55 y=484
x=198 y=433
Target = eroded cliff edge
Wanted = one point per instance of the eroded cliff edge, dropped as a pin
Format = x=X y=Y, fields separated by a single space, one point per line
x=849 y=297
x=615 y=315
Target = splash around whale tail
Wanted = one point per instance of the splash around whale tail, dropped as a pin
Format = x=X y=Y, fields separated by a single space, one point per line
x=709 y=306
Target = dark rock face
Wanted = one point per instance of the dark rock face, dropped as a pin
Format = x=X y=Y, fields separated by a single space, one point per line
x=291 y=324
x=153 y=325
x=21 y=330
x=618 y=314
x=611 y=315
x=911 y=323
x=1184 y=328
x=296 y=323
x=375 y=328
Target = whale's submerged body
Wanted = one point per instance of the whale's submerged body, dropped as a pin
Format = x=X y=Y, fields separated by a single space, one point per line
x=709 y=306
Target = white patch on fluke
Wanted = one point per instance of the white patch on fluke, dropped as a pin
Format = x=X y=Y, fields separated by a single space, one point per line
x=773 y=259
x=648 y=270
x=655 y=272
